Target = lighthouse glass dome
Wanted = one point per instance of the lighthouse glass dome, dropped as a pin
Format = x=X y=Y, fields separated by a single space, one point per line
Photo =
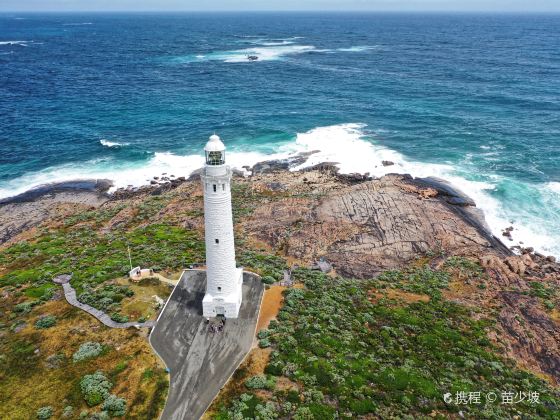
x=215 y=158
x=215 y=151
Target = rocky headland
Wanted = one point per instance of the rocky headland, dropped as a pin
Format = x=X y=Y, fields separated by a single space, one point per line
x=349 y=225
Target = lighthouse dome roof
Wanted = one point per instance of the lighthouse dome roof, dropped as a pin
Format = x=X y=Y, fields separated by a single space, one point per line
x=214 y=144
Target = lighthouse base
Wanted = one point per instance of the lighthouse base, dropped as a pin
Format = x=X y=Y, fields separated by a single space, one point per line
x=225 y=305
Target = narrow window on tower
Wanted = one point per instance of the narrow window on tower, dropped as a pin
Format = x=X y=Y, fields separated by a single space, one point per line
x=223 y=187
x=214 y=187
x=219 y=289
x=217 y=241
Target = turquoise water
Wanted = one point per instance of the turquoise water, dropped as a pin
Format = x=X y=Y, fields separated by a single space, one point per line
x=471 y=98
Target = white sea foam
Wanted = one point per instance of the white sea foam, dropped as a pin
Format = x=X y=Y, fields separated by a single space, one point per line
x=554 y=186
x=264 y=53
x=358 y=48
x=273 y=41
x=265 y=49
x=112 y=144
x=355 y=149
x=77 y=24
x=123 y=174
x=20 y=43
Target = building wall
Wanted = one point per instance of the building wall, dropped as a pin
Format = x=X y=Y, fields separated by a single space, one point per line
x=218 y=223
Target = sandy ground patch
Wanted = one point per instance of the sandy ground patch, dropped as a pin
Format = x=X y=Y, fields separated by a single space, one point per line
x=396 y=294
x=271 y=304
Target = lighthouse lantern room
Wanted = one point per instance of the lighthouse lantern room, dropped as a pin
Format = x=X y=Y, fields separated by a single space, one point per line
x=223 y=279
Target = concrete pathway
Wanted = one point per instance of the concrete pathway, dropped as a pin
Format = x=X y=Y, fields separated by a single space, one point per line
x=70 y=295
x=201 y=362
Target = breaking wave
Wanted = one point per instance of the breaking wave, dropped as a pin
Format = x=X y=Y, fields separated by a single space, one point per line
x=273 y=41
x=112 y=144
x=20 y=43
x=554 y=187
x=263 y=53
x=358 y=48
x=529 y=208
x=533 y=211
x=264 y=49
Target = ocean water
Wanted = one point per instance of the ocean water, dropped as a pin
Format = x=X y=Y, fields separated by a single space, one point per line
x=474 y=99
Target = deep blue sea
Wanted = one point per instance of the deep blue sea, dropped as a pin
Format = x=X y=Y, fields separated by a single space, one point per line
x=471 y=98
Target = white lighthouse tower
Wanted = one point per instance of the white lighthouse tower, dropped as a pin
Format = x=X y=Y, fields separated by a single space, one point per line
x=223 y=279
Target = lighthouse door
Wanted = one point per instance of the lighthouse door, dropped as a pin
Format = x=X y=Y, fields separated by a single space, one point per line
x=220 y=310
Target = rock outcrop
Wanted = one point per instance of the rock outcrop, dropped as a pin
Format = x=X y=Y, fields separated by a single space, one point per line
x=367 y=227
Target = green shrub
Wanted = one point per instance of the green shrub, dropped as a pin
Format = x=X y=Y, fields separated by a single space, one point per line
x=466 y=268
x=264 y=343
x=119 y=318
x=264 y=264
x=268 y=279
x=304 y=413
x=45 y=322
x=95 y=388
x=417 y=280
x=261 y=382
x=147 y=374
x=24 y=307
x=274 y=368
x=68 y=411
x=266 y=411
x=264 y=333
x=115 y=406
x=45 y=413
x=104 y=297
x=87 y=350
x=541 y=290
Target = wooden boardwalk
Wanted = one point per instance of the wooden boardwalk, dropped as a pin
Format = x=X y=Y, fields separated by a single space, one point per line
x=70 y=295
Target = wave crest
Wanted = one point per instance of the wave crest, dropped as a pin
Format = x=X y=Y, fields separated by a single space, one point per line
x=263 y=53
x=554 y=187
x=358 y=48
x=355 y=148
x=112 y=144
x=20 y=43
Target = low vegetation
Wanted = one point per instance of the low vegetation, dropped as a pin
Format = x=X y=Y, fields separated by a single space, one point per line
x=389 y=347
x=95 y=388
x=95 y=258
x=338 y=352
x=44 y=322
x=269 y=267
x=88 y=350
x=48 y=347
x=44 y=413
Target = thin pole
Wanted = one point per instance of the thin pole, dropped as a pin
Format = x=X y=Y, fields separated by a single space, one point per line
x=129 y=258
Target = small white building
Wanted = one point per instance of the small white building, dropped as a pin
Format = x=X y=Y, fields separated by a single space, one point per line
x=223 y=279
x=137 y=273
